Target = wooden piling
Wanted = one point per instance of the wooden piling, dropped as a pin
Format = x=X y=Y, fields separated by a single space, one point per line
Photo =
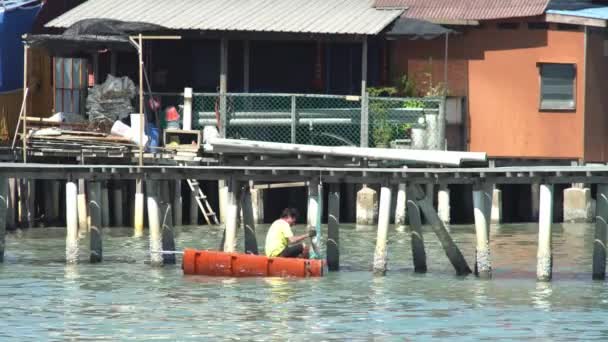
x=544 y=266
x=95 y=210
x=380 y=255
x=4 y=199
x=232 y=215
x=400 y=206
x=601 y=229
x=71 y=215
x=47 y=205
x=417 y=239
x=251 y=244
x=55 y=189
x=83 y=224
x=117 y=205
x=105 y=205
x=22 y=212
x=138 y=212
x=31 y=202
x=166 y=220
x=152 y=199
x=333 y=228
x=483 y=264
x=440 y=230
x=178 y=205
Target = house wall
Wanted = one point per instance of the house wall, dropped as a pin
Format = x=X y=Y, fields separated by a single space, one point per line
x=497 y=70
x=596 y=102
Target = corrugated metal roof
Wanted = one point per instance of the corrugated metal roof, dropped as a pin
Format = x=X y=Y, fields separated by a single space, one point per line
x=295 y=16
x=466 y=9
x=579 y=9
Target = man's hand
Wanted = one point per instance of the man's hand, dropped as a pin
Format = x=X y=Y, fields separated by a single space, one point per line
x=312 y=233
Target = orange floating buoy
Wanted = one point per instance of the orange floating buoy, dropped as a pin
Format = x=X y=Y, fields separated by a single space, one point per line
x=211 y=263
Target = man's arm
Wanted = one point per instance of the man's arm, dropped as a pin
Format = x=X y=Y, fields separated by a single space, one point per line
x=296 y=239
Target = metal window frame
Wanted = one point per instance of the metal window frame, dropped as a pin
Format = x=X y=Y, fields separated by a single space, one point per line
x=542 y=108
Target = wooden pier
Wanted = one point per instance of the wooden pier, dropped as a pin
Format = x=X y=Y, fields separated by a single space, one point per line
x=240 y=179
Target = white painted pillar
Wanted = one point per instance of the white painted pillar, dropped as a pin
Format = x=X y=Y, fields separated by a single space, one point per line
x=187 y=121
x=232 y=216
x=4 y=199
x=313 y=203
x=483 y=265
x=152 y=194
x=117 y=208
x=178 y=203
x=367 y=206
x=105 y=205
x=380 y=254
x=95 y=210
x=443 y=204
x=496 y=215
x=83 y=222
x=601 y=229
x=400 y=206
x=544 y=266
x=71 y=216
x=138 y=212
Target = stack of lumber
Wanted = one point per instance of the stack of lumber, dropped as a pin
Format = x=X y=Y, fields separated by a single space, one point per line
x=70 y=142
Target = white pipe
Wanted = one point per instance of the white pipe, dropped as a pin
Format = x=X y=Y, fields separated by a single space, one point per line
x=544 y=266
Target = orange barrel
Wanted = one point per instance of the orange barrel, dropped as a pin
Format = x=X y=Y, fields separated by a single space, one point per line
x=222 y=264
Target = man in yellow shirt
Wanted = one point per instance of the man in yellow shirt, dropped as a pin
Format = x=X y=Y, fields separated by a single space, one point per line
x=280 y=241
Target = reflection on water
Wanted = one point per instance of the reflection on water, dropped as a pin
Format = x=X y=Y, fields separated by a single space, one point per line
x=42 y=298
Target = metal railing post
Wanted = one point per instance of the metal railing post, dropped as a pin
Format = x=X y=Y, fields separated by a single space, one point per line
x=365 y=120
x=294 y=119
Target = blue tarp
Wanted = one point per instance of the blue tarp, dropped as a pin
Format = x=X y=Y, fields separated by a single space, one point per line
x=14 y=22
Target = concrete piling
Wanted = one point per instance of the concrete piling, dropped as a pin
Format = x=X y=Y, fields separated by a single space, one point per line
x=95 y=210
x=55 y=210
x=71 y=208
x=381 y=253
x=47 y=205
x=417 y=239
x=117 y=205
x=483 y=263
x=367 y=206
x=178 y=203
x=313 y=203
x=251 y=243
x=496 y=212
x=601 y=229
x=232 y=215
x=166 y=220
x=578 y=205
x=257 y=201
x=105 y=205
x=400 y=206
x=544 y=266
x=350 y=203
x=333 y=228
x=223 y=200
x=11 y=213
x=138 y=211
x=443 y=204
x=152 y=199
x=83 y=223
x=451 y=250
x=194 y=209
x=4 y=199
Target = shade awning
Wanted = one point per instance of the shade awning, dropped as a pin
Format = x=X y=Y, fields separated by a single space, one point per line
x=416 y=28
x=91 y=35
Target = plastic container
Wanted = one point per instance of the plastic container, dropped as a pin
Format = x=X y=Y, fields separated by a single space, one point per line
x=220 y=264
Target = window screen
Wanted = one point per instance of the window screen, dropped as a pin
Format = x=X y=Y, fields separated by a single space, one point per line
x=557 y=87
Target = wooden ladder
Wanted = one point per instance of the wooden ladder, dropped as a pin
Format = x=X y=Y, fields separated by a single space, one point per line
x=202 y=201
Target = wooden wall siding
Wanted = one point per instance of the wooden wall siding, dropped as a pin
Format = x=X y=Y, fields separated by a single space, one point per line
x=40 y=99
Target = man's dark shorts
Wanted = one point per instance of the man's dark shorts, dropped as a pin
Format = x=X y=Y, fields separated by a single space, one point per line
x=292 y=251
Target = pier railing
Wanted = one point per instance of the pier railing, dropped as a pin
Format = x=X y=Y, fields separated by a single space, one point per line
x=329 y=120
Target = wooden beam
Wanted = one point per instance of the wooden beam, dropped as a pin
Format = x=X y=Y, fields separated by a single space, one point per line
x=574 y=20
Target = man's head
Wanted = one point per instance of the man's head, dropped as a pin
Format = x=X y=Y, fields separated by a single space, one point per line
x=290 y=215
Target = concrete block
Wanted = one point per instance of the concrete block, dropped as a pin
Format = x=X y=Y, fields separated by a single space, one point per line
x=367 y=207
x=578 y=205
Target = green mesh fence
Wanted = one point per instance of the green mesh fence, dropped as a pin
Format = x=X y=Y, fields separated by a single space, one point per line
x=319 y=119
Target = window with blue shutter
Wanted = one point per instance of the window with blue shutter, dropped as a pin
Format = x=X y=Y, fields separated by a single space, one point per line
x=557 y=82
